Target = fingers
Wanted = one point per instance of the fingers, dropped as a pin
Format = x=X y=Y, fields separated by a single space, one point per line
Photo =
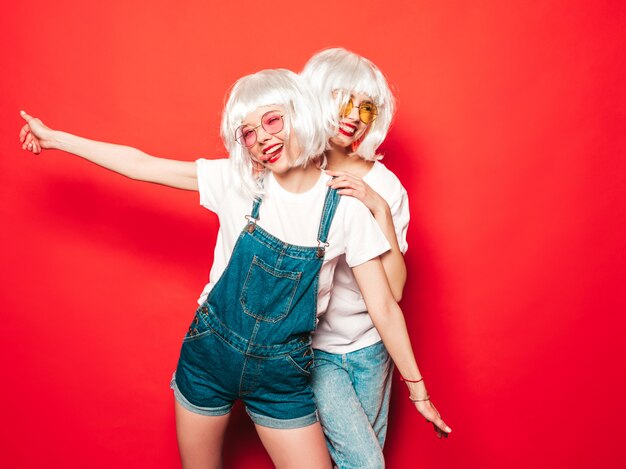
x=344 y=177
x=348 y=185
x=335 y=173
x=28 y=141
x=342 y=174
x=25 y=116
x=346 y=181
x=431 y=414
x=23 y=132
x=441 y=428
x=343 y=185
x=439 y=425
x=349 y=192
x=31 y=144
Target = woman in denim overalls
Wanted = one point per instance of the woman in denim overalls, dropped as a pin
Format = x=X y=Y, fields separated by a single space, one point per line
x=250 y=338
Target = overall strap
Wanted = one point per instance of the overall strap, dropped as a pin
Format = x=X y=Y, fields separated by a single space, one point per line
x=330 y=207
x=255 y=208
x=254 y=215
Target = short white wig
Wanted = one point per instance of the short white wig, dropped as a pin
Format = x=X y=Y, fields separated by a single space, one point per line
x=302 y=116
x=342 y=72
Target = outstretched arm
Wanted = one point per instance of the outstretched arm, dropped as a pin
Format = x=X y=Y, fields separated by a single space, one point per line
x=393 y=260
x=124 y=160
x=389 y=321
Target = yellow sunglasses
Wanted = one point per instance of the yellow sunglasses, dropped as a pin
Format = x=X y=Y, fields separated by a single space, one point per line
x=367 y=111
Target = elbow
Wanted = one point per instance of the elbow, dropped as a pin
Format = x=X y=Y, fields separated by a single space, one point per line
x=134 y=176
x=397 y=289
x=386 y=314
x=138 y=167
x=397 y=295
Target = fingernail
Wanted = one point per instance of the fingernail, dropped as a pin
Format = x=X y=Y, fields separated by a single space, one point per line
x=22 y=112
x=448 y=429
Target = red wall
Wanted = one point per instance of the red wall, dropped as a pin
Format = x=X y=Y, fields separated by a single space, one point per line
x=509 y=139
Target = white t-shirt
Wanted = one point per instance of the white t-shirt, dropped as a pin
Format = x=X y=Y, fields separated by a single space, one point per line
x=293 y=218
x=347 y=326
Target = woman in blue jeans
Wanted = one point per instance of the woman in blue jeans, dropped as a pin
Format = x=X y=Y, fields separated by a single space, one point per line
x=281 y=233
x=352 y=373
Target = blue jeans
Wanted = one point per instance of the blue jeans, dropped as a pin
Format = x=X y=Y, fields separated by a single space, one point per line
x=352 y=393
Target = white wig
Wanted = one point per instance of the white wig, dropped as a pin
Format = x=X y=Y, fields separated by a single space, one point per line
x=343 y=72
x=302 y=116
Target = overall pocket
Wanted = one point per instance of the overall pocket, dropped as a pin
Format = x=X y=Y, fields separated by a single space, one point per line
x=301 y=360
x=198 y=327
x=268 y=292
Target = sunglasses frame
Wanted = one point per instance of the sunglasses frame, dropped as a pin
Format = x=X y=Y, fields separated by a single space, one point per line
x=240 y=138
x=346 y=110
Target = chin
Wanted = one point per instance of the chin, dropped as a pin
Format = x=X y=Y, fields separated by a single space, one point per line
x=342 y=141
x=281 y=167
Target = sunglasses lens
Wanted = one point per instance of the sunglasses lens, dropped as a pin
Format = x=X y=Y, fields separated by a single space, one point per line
x=346 y=109
x=245 y=135
x=272 y=122
x=367 y=112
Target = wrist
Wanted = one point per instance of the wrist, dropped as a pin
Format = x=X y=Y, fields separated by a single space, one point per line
x=381 y=211
x=55 y=140
x=417 y=390
x=419 y=399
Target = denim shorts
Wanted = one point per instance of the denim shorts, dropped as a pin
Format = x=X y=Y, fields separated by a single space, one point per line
x=212 y=374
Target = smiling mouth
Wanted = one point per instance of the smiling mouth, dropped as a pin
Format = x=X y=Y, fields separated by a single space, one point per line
x=272 y=153
x=347 y=129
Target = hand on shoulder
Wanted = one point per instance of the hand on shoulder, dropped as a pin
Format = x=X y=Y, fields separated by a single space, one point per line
x=354 y=186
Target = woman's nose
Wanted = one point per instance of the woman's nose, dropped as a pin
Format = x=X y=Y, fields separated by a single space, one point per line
x=263 y=135
x=354 y=114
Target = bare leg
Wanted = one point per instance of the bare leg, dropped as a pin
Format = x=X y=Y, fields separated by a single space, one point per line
x=200 y=438
x=297 y=448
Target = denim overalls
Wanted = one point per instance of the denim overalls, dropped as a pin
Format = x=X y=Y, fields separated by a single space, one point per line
x=250 y=339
